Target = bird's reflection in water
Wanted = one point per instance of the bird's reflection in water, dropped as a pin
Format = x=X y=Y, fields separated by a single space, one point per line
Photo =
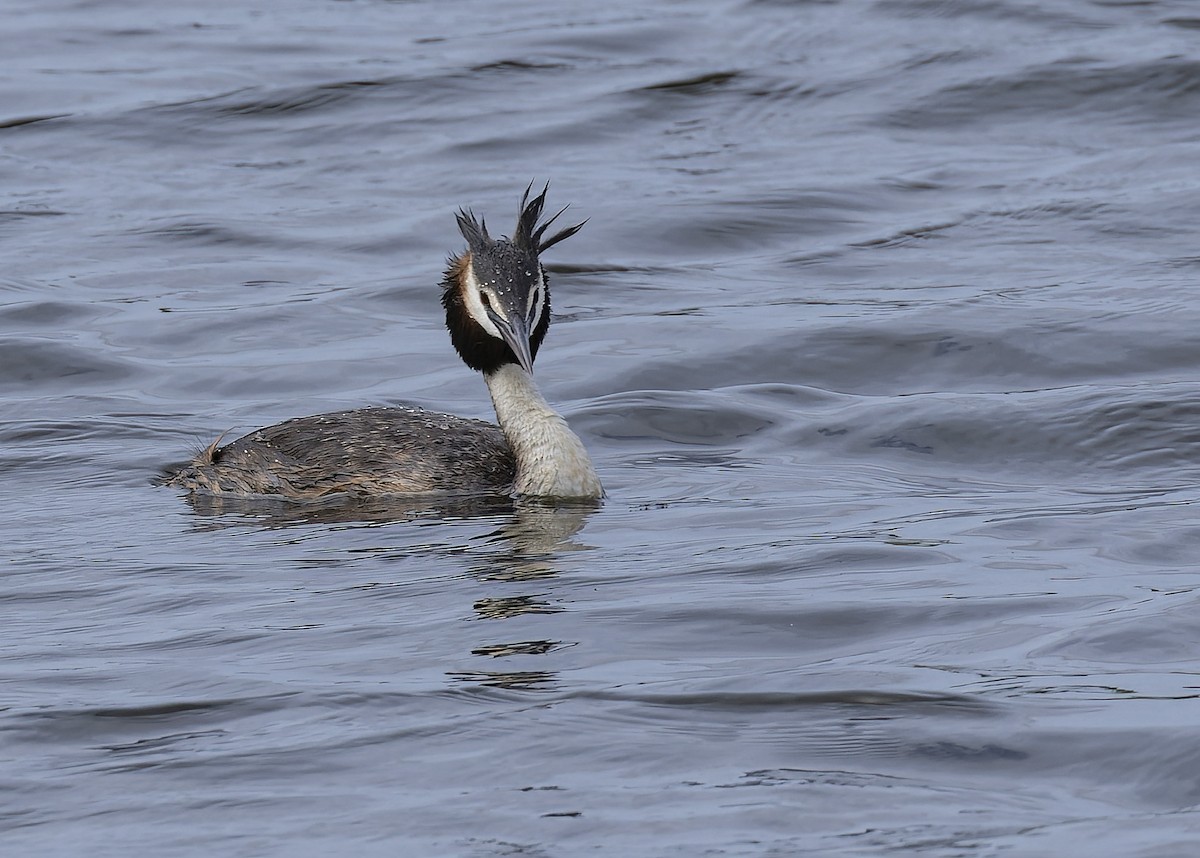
x=533 y=539
x=527 y=546
x=517 y=680
x=507 y=607
x=531 y=544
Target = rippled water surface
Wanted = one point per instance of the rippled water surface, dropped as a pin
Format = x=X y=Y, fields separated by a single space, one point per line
x=883 y=335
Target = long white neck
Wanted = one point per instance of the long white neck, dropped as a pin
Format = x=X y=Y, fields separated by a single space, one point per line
x=551 y=460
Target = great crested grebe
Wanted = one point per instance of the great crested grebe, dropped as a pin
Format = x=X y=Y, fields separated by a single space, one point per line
x=497 y=300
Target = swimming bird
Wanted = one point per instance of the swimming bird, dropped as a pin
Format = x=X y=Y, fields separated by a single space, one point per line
x=497 y=300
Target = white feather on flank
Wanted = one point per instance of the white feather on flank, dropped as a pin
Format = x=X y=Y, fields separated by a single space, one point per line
x=551 y=460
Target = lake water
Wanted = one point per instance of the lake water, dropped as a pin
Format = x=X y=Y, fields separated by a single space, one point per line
x=883 y=336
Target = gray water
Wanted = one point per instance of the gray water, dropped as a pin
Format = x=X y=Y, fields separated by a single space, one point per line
x=883 y=336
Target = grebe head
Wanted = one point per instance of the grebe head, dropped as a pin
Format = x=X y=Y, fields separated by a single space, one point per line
x=496 y=293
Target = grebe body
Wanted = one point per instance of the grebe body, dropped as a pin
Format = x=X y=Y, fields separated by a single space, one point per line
x=497 y=300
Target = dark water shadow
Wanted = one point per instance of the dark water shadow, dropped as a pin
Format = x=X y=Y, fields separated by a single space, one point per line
x=216 y=512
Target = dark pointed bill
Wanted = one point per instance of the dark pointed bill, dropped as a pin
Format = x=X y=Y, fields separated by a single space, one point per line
x=515 y=331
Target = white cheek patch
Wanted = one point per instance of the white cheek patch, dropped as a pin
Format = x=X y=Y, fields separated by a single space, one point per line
x=537 y=304
x=475 y=306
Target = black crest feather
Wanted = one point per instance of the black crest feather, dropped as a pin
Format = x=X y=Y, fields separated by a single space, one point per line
x=472 y=230
x=528 y=234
